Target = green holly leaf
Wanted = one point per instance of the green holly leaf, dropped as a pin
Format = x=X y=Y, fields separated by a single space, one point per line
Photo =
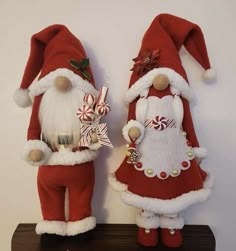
x=75 y=64
x=86 y=74
x=84 y=63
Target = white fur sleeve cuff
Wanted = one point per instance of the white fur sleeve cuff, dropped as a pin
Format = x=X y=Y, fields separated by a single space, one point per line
x=94 y=146
x=200 y=152
x=115 y=184
x=36 y=145
x=126 y=128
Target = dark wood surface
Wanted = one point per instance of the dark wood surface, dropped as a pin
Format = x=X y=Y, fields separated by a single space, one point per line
x=110 y=237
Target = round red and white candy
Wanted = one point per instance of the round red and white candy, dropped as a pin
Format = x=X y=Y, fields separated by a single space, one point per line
x=160 y=123
x=89 y=99
x=85 y=113
x=103 y=108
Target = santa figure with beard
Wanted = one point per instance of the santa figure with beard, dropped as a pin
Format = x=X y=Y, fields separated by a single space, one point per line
x=161 y=175
x=54 y=130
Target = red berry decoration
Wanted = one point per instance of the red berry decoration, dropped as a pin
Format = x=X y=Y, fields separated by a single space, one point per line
x=139 y=164
x=185 y=164
x=189 y=143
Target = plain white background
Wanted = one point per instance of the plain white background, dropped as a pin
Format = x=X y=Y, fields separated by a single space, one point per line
x=111 y=33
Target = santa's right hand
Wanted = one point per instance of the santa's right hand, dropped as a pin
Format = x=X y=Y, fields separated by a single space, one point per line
x=134 y=133
x=36 y=155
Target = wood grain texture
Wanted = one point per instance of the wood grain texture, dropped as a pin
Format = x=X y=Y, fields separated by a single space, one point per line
x=110 y=237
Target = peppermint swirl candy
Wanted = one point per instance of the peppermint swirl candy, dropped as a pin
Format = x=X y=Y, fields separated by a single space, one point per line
x=103 y=109
x=89 y=99
x=85 y=113
x=159 y=123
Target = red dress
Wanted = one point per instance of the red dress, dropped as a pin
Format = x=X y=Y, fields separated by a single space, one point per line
x=167 y=178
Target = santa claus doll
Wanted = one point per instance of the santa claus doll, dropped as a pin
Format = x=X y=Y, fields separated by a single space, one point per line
x=161 y=174
x=65 y=84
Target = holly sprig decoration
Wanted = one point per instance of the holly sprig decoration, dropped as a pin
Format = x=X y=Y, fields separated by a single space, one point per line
x=81 y=66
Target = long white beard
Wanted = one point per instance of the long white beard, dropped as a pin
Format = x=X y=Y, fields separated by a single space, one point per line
x=57 y=115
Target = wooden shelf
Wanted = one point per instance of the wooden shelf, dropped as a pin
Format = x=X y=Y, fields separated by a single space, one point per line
x=111 y=237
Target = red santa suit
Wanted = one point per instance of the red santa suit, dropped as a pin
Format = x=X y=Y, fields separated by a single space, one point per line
x=60 y=168
x=166 y=178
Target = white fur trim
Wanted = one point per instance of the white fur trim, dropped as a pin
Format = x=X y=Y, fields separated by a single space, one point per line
x=22 y=98
x=69 y=158
x=171 y=223
x=209 y=181
x=178 y=111
x=209 y=75
x=115 y=184
x=36 y=145
x=48 y=81
x=141 y=109
x=147 y=222
x=176 y=80
x=170 y=206
x=51 y=227
x=94 y=146
x=81 y=226
x=200 y=152
x=133 y=123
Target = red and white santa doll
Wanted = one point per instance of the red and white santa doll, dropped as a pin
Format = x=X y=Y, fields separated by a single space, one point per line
x=161 y=175
x=65 y=84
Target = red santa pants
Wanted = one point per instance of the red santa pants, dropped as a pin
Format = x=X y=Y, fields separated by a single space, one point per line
x=52 y=184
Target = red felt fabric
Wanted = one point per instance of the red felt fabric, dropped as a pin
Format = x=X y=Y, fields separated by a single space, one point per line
x=52 y=182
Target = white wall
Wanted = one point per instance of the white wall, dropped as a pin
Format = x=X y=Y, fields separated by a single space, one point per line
x=111 y=32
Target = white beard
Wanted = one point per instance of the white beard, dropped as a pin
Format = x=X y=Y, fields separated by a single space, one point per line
x=57 y=115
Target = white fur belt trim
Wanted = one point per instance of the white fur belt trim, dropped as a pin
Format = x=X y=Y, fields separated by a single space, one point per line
x=51 y=227
x=133 y=123
x=65 y=157
x=81 y=226
x=171 y=223
x=115 y=184
x=147 y=222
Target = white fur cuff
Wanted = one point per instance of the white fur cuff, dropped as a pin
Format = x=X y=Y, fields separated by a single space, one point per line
x=171 y=223
x=51 y=227
x=126 y=128
x=200 y=152
x=147 y=222
x=36 y=145
x=82 y=226
x=94 y=146
x=115 y=184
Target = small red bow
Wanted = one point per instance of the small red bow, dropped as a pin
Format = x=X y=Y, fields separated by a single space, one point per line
x=146 y=61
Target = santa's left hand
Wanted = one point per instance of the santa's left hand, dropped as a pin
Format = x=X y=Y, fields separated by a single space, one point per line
x=94 y=138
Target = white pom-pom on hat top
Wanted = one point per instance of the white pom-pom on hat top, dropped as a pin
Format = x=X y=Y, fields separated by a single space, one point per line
x=209 y=75
x=22 y=98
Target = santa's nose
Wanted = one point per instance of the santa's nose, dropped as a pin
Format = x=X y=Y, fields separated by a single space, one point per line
x=160 y=82
x=63 y=84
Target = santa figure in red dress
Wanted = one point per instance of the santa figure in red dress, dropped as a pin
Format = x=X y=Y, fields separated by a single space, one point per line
x=65 y=84
x=161 y=175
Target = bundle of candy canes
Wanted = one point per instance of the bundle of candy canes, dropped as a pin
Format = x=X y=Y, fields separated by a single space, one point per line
x=90 y=114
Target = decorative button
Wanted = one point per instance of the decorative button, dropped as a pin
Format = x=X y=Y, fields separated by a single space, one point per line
x=175 y=172
x=147 y=231
x=172 y=231
x=190 y=154
x=189 y=143
x=163 y=174
x=139 y=164
x=184 y=163
x=150 y=171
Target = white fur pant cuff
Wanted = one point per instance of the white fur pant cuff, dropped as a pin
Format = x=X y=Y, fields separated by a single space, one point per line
x=171 y=222
x=147 y=222
x=81 y=226
x=51 y=227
